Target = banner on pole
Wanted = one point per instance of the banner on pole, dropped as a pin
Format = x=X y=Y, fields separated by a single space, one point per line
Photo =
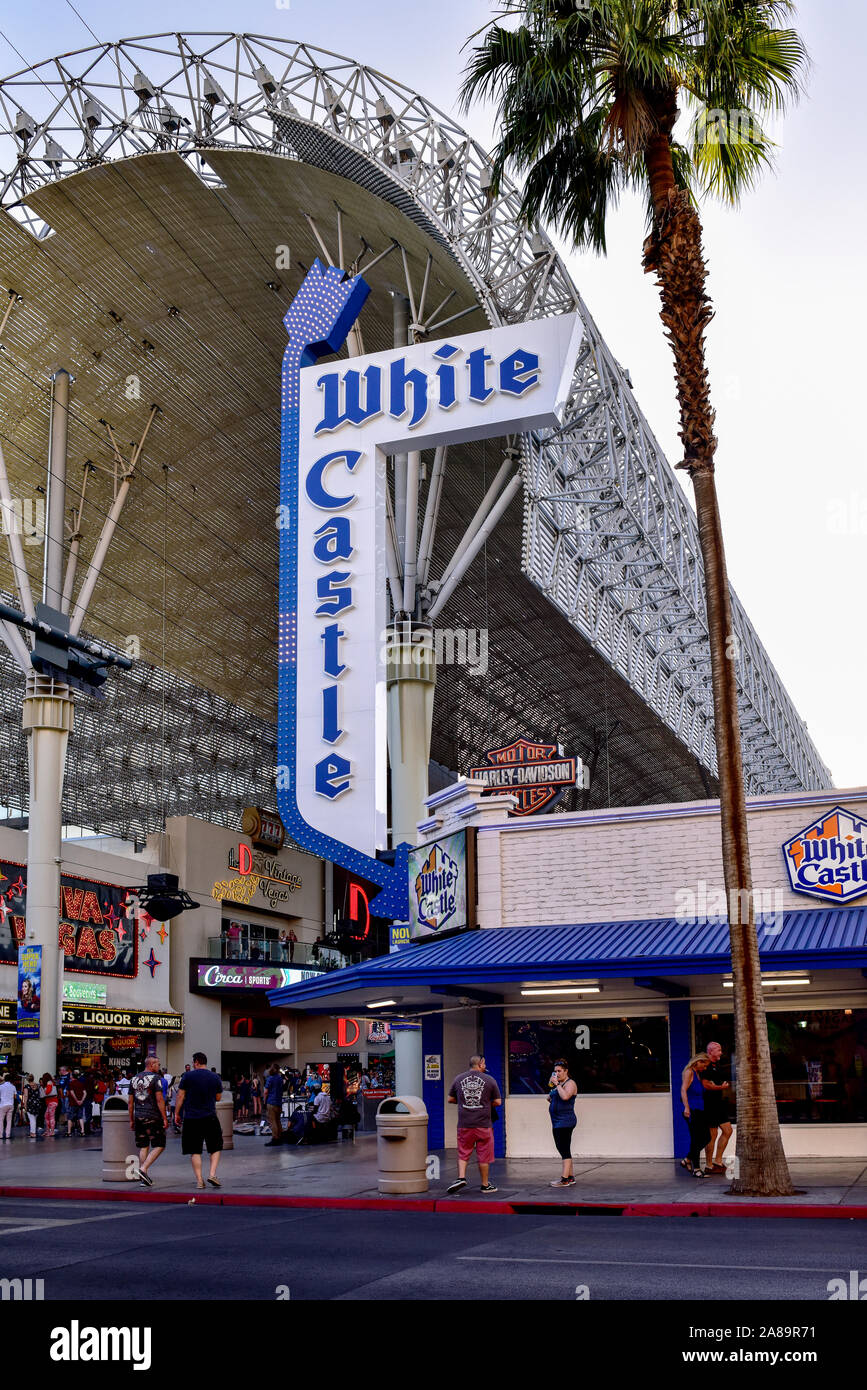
x=29 y=991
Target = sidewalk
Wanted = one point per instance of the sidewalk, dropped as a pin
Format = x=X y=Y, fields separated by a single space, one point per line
x=346 y=1175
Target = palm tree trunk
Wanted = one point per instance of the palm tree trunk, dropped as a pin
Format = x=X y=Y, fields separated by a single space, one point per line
x=673 y=252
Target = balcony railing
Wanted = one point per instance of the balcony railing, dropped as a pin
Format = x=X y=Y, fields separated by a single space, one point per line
x=303 y=957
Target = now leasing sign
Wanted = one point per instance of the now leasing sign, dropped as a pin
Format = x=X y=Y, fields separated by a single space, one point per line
x=339 y=424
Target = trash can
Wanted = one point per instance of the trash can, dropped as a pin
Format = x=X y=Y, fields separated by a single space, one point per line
x=401 y=1144
x=118 y=1142
x=226 y=1116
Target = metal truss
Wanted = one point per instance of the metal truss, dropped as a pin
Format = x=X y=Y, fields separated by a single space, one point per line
x=609 y=535
x=610 y=538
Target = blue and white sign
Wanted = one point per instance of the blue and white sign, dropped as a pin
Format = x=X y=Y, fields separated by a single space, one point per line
x=339 y=424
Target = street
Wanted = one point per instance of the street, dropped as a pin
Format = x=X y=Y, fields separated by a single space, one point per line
x=91 y=1251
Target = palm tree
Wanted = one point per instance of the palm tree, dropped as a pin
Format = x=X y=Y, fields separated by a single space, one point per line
x=588 y=95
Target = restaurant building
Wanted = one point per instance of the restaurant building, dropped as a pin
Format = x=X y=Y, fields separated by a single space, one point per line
x=602 y=937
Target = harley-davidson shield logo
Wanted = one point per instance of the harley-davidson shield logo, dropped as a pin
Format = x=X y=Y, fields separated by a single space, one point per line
x=537 y=773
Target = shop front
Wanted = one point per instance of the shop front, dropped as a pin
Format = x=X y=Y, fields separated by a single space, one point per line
x=603 y=939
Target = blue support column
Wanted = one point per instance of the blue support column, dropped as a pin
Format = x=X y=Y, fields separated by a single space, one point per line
x=494 y=1050
x=433 y=1092
x=680 y=1051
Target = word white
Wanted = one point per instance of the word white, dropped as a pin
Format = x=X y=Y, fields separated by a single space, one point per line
x=343 y=392
x=76 y=1343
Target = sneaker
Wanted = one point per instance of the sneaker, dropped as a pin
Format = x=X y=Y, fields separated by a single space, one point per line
x=489 y=1187
x=145 y=1178
x=457 y=1185
x=564 y=1182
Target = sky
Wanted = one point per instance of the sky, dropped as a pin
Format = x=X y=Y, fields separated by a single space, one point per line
x=785 y=349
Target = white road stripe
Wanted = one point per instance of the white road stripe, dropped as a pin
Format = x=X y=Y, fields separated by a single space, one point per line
x=653 y=1264
x=73 y=1221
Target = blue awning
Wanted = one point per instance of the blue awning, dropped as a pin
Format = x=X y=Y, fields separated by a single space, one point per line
x=822 y=939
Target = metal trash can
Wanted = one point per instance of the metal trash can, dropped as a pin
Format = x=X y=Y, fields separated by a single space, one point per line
x=118 y=1142
x=401 y=1144
x=226 y=1116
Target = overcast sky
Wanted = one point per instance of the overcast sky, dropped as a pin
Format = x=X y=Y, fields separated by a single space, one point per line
x=785 y=349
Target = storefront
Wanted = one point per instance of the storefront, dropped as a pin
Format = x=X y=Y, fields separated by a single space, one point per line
x=603 y=939
x=117 y=1005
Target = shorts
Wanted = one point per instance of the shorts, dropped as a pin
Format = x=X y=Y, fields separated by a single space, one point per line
x=716 y=1117
x=563 y=1139
x=482 y=1140
x=75 y=1112
x=196 y=1133
x=150 y=1133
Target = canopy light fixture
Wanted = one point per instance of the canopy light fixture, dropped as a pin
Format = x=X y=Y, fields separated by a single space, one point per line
x=563 y=989
x=771 y=981
x=380 y=1003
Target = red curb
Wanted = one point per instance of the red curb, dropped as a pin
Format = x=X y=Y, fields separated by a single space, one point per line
x=473 y=1207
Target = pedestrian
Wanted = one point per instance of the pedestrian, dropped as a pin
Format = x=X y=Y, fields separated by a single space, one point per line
x=322 y=1116
x=692 y=1098
x=100 y=1091
x=716 y=1109
x=147 y=1118
x=76 y=1095
x=292 y=940
x=48 y=1092
x=256 y=1095
x=8 y=1097
x=476 y=1095
x=274 y=1104
x=244 y=1091
x=32 y=1102
x=123 y=1085
x=561 y=1108
x=196 y=1112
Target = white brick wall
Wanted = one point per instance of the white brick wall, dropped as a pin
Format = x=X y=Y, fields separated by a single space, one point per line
x=637 y=863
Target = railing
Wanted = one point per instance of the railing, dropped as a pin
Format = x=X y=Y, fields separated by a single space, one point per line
x=304 y=956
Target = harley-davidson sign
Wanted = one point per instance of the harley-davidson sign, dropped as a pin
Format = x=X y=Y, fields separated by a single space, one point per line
x=537 y=773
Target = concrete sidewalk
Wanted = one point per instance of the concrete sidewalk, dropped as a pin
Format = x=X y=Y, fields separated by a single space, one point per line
x=343 y=1173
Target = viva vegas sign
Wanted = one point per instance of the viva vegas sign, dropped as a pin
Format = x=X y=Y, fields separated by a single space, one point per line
x=340 y=422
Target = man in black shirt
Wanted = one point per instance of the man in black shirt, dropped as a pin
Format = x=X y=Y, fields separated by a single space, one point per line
x=198 y=1093
x=716 y=1108
x=147 y=1117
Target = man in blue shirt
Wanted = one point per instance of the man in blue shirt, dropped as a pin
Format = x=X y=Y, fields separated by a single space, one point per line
x=198 y=1093
x=274 y=1104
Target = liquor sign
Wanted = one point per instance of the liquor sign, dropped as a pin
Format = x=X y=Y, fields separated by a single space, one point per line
x=83 y=1018
x=99 y=923
x=338 y=426
x=828 y=859
x=442 y=890
x=537 y=773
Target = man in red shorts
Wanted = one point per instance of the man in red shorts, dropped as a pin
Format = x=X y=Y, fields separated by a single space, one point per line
x=475 y=1094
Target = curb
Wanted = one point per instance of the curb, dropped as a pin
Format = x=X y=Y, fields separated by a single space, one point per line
x=472 y=1207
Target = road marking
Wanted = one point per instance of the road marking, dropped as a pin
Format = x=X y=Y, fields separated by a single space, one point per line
x=73 y=1221
x=652 y=1264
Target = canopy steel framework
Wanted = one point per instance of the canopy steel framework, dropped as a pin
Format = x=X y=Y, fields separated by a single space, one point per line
x=609 y=537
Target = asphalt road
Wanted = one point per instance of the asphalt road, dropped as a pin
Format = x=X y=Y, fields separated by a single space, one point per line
x=95 y=1251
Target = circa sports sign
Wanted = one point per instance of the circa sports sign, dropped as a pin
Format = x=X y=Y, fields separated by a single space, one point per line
x=339 y=423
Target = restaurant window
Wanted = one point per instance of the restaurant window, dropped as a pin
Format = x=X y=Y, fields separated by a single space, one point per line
x=818 y=1057
x=605 y=1055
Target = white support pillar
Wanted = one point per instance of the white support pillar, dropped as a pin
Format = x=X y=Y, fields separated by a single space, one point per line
x=411 y=678
x=408 y=1058
x=47 y=722
x=55 y=507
